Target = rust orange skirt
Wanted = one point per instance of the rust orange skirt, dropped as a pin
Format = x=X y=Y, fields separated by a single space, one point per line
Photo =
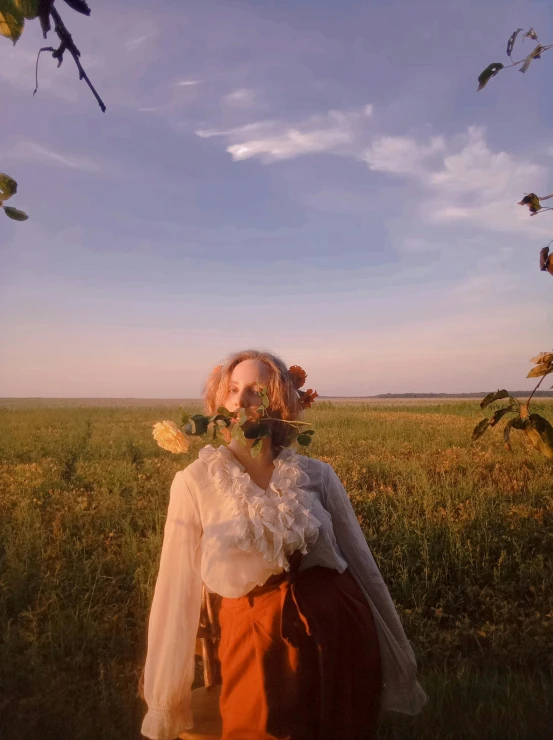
x=300 y=660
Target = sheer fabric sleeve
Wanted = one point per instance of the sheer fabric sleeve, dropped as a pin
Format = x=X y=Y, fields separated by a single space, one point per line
x=401 y=691
x=174 y=619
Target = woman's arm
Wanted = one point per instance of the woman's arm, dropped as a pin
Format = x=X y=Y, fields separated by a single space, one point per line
x=174 y=618
x=403 y=693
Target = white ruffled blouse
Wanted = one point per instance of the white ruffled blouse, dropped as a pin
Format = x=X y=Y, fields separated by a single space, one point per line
x=225 y=531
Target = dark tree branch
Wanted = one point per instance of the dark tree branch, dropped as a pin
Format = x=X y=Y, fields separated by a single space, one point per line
x=67 y=44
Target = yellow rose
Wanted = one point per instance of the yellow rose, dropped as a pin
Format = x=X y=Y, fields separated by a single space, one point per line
x=169 y=436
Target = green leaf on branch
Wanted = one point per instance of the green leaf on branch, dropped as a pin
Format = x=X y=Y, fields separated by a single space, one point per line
x=15 y=214
x=201 y=422
x=490 y=71
x=257 y=430
x=305 y=439
x=238 y=434
x=256 y=448
x=252 y=432
x=12 y=20
x=479 y=429
x=223 y=411
x=491 y=397
x=8 y=186
x=29 y=8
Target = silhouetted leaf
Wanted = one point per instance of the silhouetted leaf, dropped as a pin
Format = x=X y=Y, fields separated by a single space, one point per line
x=501 y=413
x=79 y=5
x=479 y=429
x=531 y=34
x=44 y=8
x=304 y=439
x=511 y=41
x=15 y=214
x=491 y=397
x=546 y=263
x=490 y=71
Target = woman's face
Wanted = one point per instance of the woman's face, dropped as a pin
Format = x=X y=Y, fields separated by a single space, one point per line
x=246 y=381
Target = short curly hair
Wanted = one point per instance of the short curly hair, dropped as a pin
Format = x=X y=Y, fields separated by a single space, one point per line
x=283 y=396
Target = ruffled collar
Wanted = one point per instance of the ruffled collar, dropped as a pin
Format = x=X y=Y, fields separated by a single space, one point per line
x=275 y=522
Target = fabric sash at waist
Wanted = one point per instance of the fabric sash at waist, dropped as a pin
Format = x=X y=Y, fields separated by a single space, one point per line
x=293 y=615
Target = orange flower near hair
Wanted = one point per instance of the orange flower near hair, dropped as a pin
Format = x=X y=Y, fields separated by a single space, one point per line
x=299 y=376
x=308 y=398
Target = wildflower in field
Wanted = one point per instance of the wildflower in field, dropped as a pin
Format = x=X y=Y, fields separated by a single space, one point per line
x=169 y=437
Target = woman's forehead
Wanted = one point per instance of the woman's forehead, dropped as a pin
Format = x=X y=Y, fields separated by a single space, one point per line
x=250 y=370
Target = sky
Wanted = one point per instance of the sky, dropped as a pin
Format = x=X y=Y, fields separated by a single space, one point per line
x=319 y=179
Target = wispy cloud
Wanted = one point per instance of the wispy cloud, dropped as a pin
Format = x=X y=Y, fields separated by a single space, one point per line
x=241 y=98
x=273 y=141
x=132 y=44
x=465 y=180
x=401 y=155
x=30 y=151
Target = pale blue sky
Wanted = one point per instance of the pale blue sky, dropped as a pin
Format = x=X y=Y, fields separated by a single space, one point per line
x=316 y=178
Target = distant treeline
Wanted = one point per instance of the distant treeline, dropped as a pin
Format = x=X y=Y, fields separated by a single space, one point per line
x=516 y=394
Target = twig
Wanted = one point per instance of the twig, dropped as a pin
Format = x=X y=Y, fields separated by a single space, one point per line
x=44 y=48
x=536 y=388
x=67 y=44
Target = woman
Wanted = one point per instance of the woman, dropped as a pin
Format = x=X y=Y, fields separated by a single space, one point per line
x=311 y=645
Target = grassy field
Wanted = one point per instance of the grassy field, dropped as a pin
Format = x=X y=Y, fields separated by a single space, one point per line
x=462 y=532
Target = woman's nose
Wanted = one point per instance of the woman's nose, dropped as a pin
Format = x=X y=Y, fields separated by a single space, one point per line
x=242 y=400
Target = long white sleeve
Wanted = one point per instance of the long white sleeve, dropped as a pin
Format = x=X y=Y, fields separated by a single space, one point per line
x=174 y=618
x=401 y=692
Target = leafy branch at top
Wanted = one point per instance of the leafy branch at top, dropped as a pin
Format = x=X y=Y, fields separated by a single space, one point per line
x=495 y=67
x=13 y=14
x=533 y=201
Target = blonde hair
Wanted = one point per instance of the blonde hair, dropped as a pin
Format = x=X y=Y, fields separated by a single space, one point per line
x=283 y=396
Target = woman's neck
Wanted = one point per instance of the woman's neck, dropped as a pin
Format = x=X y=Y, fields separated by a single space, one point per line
x=264 y=459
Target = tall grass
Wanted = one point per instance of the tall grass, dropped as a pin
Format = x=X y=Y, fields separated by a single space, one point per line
x=462 y=532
